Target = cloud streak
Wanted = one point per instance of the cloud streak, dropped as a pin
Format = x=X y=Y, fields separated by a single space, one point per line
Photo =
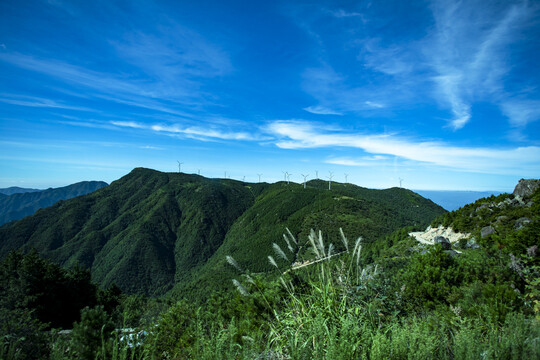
x=468 y=50
x=194 y=132
x=303 y=135
x=30 y=101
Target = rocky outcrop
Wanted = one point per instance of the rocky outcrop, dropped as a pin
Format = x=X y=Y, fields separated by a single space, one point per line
x=486 y=231
x=522 y=222
x=445 y=243
x=525 y=188
x=428 y=236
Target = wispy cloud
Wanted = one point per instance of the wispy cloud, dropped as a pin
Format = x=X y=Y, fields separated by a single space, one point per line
x=335 y=96
x=468 y=51
x=302 y=135
x=464 y=58
x=204 y=134
x=340 y=13
x=175 y=54
x=159 y=71
x=321 y=110
x=521 y=112
x=31 y=101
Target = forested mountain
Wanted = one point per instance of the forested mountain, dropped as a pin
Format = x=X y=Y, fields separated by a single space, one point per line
x=16 y=190
x=150 y=231
x=20 y=202
x=395 y=296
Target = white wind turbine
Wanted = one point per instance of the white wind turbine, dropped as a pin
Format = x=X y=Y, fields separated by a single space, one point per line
x=259 y=177
x=305 y=177
x=331 y=174
x=346 y=176
x=400 y=182
x=179 y=166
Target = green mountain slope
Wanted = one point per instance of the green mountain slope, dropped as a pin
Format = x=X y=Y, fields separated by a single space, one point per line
x=28 y=201
x=16 y=190
x=363 y=212
x=150 y=231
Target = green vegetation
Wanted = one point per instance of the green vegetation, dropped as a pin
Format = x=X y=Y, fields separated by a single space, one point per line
x=333 y=308
x=155 y=233
x=308 y=295
x=24 y=202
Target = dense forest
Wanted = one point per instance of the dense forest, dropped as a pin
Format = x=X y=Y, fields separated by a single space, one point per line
x=322 y=295
x=155 y=233
x=19 y=202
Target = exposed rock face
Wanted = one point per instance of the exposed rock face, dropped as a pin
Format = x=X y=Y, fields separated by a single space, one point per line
x=522 y=222
x=427 y=237
x=445 y=243
x=471 y=244
x=452 y=253
x=526 y=187
x=488 y=230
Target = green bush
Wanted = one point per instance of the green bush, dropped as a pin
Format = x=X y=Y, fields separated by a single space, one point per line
x=92 y=337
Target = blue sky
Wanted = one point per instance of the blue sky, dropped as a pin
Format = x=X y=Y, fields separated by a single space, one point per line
x=442 y=94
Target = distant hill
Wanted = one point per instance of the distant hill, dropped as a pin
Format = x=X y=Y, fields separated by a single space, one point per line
x=16 y=190
x=24 y=203
x=152 y=232
x=453 y=200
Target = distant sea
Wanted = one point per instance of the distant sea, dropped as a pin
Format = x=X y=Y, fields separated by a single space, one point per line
x=453 y=200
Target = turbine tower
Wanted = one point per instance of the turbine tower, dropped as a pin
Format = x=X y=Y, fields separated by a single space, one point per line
x=400 y=181
x=179 y=166
x=346 y=175
x=285 y=173
x=317 y=174
x=305 y=177
x=330 y=180
x=259 y=177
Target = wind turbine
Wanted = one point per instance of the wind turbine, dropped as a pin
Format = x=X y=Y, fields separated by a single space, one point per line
x=330 y=180
x=305 y=177
x=317 y=174
x=244 y=178
x=288 y=178
x=259 y=177
x=400 y=181
x=199 y=172
x=284 y=175
x=346 y=175
x=179 y=166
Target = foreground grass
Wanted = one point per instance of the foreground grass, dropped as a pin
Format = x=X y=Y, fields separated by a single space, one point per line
x=330 y=309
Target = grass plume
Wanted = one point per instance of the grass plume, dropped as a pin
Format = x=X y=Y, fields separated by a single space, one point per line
x=233 y=263
x=279 y=252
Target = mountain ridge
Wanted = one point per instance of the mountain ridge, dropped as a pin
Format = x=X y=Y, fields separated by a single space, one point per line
x=18 y=205
x=17 y=190
x=152 y=232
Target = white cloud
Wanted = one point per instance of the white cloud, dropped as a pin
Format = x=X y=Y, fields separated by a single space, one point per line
x=130 y=124
x=468 y=50
x=321 y=110
x=31 y=101
x=521 y=112
x=173 y=55
x=340 y=13
x=519 y=161
x=203 y=134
